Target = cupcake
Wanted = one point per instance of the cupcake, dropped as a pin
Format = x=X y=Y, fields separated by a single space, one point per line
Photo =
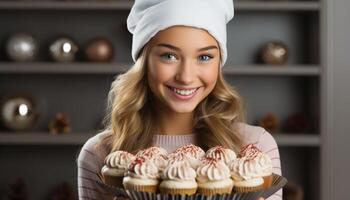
x=178 y=178
x=191 y=153
x=261 y=161
x=156 y=154
x=245 y=172
x=116 y=164
x=142 y=176
x=213 y=177
x=221 y=153
x=152 y=151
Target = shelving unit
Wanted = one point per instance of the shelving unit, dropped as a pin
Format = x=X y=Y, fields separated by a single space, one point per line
x=74 y=87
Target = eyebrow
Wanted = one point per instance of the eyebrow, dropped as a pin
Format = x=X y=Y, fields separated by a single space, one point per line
x=178 y=49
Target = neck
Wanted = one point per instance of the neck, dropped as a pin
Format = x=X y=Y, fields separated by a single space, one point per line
x=170 y=123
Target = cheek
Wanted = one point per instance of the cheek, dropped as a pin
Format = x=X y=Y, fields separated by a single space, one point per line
x=158 y=74
x=209 y=77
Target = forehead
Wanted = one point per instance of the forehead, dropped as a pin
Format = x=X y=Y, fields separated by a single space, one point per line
x=184 y=37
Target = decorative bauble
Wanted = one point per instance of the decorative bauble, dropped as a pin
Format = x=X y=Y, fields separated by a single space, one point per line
x=63 y=191
x=274 y=53
x=297 y=123
x=269 y=122
x=17 y=190
x=21 y=47
x=63 y=50
x=19 y=112
x=59 y=124
x=99 y=49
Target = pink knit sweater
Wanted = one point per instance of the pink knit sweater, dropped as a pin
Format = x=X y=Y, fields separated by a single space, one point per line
x=90 y=160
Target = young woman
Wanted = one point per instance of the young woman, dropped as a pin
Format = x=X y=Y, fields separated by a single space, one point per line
x=175 y=93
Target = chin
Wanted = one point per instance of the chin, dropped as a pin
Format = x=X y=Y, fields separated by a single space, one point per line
x=183 y=109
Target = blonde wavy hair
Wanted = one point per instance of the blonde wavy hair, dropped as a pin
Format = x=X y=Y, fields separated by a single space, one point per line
x=130 y=113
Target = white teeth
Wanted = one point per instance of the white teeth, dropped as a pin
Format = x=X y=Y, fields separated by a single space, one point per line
x=184 y=92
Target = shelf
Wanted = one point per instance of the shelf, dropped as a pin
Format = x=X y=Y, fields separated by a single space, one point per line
x=63 y=68
x=277 y=6
x=285 y=70
x=59 y=5
x=80 y=138
x=126 y=5
x=297 y=139
x=43 y=138
x=112 y=68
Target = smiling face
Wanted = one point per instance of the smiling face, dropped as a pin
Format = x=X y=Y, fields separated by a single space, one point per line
x=183 y=67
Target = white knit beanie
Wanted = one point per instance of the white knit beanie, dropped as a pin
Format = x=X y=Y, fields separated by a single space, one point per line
x=148 y=17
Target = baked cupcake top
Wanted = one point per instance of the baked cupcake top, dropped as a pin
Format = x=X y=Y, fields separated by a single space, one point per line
x=250 y=163
x=116 y=163
x=212 y=169
x=222 y=154
x=143 y=168
x=179 y=171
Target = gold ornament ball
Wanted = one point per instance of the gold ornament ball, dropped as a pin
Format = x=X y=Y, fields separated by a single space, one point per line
x=274 y=53
x=99 y=49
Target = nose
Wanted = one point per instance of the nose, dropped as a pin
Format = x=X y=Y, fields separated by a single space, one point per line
x=186 y=73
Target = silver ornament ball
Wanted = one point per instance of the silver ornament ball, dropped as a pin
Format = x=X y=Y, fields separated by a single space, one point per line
x=21 y=47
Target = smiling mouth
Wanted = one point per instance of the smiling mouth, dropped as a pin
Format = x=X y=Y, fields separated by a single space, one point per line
x=183 y=92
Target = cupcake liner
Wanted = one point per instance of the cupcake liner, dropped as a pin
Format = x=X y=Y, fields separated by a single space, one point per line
x=277 y=183
x=267 y=181
x=209 y=192
x=116 y=181
x=248 y=189
x=141 y=188
x=174 y=191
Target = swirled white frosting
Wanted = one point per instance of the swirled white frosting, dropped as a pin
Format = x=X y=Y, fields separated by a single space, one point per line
x=191 y=153
x=191 y=150
x=116 y=163
x=180 y=171
x=119 y=159
x=212 y=170
x=157 y=155
x=143 y=168
x=250 y=151
x=220 y=153
x=251 y=163
x=151 y=152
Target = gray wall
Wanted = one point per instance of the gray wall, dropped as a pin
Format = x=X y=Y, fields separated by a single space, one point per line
x=336 y=162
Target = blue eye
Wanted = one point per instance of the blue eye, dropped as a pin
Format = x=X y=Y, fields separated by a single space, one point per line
x=168 y=56
x=205 y=57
